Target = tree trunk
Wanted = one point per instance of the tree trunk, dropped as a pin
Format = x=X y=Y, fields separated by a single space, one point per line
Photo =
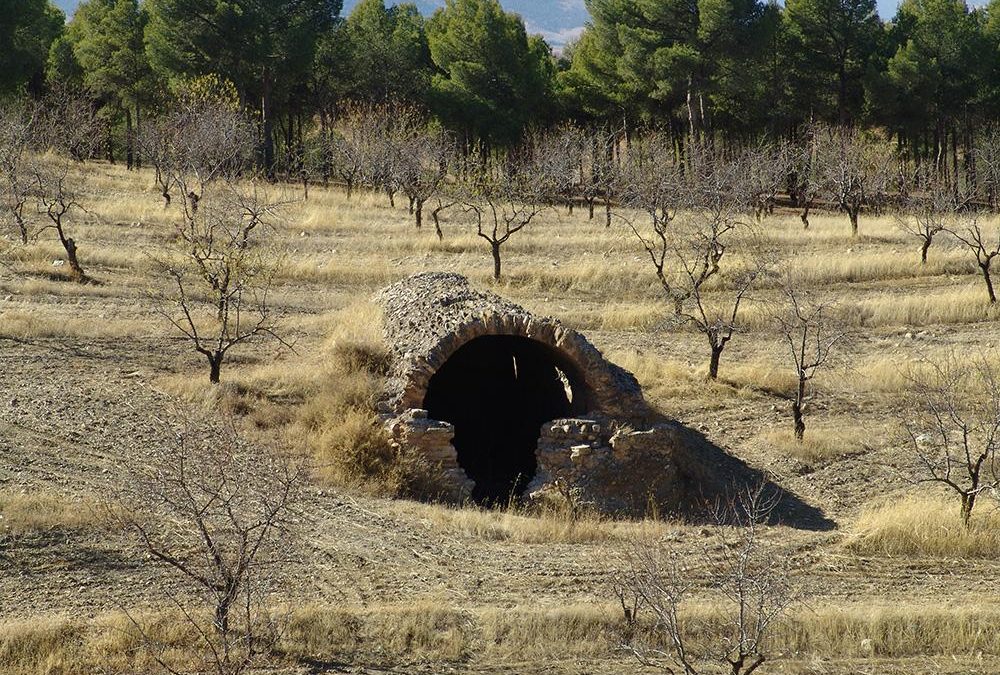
x=413 y=201
x=713 y=364
x=267 y=124
x=607 y=210
x=418 y=212
x=923 y=250
x=800 y=425
x=22 y=226
x=968 y=503
x=222 y=610
x=496 y=261
x=590 y=209
x=215 y=367
x=989 y=283
x=129 y=141
x=853 y=215
x=70 y=247
x=804 y=217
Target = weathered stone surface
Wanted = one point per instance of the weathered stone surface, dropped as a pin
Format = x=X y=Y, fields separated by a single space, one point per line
x=617 y=455
x=428 y=317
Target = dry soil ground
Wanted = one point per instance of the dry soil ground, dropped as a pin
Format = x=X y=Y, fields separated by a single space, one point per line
x=85 y=367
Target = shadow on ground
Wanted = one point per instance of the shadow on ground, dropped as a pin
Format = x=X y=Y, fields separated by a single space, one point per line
x=713 y=479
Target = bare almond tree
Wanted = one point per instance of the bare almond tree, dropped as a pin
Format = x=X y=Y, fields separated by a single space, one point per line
x=58 y=201
x=745 y=578
x=952 y=420
x=359 y=154
x=220 y=284
x=854 y=168
x=18 y=134
x=194 y=145
x=42 y=147
x=767 y=167
x=557 y=156
x=929 y=208
x=811 y=330
x=685 y=224
x=216 y=511
x=803 y=178
x=982 y=240
x=501 y=200
x=425 y=159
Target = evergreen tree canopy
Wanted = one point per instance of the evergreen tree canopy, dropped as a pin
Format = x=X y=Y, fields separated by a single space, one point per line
x=27 y=29
x=107 y=41
x=493 y=80
x=832 y=42
x=388 y=53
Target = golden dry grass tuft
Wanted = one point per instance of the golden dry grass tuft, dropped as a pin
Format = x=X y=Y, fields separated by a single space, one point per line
x=25 y=512
x=439 y=632
x=927 y=526
x=820 y=444
x=553 y=524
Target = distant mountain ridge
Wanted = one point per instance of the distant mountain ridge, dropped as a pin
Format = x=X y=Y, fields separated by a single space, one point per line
x=558 y=21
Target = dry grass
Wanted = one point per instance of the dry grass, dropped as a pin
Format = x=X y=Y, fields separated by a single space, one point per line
x=441 y=633
x=23 y=324
x=926 y=307
x=26 y=512
x=820 y=445
x=321 y=402
x=546 y=525
x=927 y=526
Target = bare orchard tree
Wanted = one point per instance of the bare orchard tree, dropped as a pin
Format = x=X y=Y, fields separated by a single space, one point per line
x=220 y=284
x=47 y=168
x=982 y=240
x=58 y=202
x=653 y=191
x=557 y=156
x=686 y=224
x=811 y=330
x=854 y=168
x=929 y=208
x=194 y=145
x=803 y=183
x=767 y=167
x=18 y=134
x=359 y=154
x=952 y=418
x=747 y=582
x=501 y=200
x=426 y=156
x=987 y=163
x=216 y=512
x=69 y=125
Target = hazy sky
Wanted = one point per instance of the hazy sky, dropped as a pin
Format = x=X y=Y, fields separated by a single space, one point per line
x=557 y=20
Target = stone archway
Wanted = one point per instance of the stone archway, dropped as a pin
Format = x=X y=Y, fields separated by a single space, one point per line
x=505 y=403
x=497 y=391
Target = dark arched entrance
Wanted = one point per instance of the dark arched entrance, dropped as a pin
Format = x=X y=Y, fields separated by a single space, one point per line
x=497 y=390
